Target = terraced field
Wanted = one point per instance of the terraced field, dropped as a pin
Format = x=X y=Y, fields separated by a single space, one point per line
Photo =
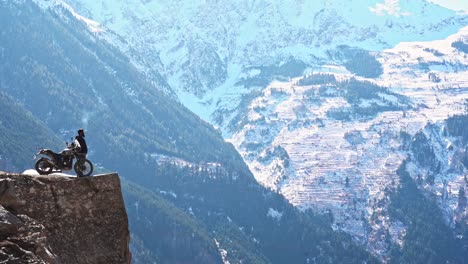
x=322 y=152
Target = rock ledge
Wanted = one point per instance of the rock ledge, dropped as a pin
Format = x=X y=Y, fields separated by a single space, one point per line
x=60 y=219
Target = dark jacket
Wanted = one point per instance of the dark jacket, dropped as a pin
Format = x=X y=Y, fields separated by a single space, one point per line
x=84 y=147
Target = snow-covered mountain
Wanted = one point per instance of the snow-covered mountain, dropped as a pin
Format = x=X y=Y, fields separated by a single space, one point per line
x=56 y=74
x=326 y=146
x=319 y=97
x=206 y=47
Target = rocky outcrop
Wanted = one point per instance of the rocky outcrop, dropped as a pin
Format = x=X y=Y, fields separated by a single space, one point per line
x=59 y=219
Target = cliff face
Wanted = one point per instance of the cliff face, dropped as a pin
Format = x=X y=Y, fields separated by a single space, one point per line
x=58 y=219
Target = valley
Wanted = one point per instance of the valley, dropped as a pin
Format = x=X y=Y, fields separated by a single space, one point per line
x=235 y=114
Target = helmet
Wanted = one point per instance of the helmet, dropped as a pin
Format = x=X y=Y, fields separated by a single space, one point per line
x=80 y=130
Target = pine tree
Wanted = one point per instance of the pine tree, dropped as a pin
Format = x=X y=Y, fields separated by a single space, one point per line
x=461 y=198
x=430 y=178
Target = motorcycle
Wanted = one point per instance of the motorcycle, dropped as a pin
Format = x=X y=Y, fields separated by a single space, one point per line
x=51 y=162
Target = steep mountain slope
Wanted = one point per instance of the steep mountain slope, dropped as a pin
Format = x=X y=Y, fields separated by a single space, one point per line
x=21 y=134
x=206 y=48
x=249 y=222
x=70 y=78
x=334 y=141
x=331 y=142
x=170 y=234
x=420 y=213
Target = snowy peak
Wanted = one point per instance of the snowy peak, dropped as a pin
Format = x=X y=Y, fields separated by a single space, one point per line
x=202 y=46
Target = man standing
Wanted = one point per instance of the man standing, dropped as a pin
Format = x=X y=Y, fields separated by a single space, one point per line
x=83 y=167
x=82 y=141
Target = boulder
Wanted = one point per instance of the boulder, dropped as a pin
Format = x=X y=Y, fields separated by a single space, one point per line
x=9 y=223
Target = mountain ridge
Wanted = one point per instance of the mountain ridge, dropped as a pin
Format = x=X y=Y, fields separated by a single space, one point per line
x=242 y=34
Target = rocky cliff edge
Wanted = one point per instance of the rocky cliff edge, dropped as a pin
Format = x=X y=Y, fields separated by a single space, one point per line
x=60 y=219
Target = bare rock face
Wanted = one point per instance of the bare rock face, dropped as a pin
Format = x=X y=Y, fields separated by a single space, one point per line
x=59 y=219
x=9 y=223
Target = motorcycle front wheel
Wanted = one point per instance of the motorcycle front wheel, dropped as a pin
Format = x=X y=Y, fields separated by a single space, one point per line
x=83 y=168
x=43 y=166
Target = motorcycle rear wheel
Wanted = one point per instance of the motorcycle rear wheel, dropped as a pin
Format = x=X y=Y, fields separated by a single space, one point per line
x=83 y=168
x=43 y=166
